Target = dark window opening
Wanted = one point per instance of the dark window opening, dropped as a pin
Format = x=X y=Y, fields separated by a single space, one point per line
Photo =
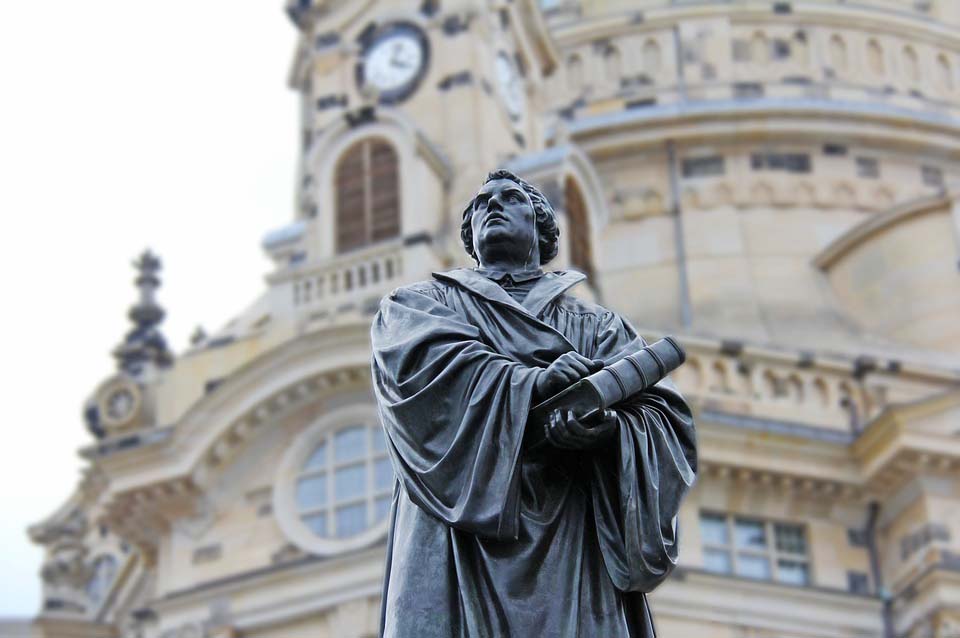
x=703 y=166
x=581 y=255
x=747 y=90
x=834 y=149
x=856 y=538
x=789 y=162
x=858 y=583
x=741 y=51
x=781 y=49
x=932 y=176
x=868 y=167
x=367 y=195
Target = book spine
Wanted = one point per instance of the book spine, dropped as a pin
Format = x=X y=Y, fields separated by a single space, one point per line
x=637 y=371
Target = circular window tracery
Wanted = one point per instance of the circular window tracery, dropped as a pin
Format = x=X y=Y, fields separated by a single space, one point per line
x=334 y=486
x=346 y=484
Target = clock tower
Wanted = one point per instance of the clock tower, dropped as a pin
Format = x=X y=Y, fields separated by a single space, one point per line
x=396 y=94
x=773 y=182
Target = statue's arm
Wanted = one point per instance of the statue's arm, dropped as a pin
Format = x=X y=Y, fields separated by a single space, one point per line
x=640 y=479
x=453 y=411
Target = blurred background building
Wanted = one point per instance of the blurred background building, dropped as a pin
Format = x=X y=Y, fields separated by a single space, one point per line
x=770 y=181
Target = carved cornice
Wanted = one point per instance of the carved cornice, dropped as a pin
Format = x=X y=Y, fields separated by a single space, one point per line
x=891 y=452
x=783 y=419
x=806 y=484
x=536 y=40
x=143 y=516
x=697 y=595
x=860 y=233
x=859 y=17
x=143 y=513
x=618 y=129
x=274 y=409
x=67 y=526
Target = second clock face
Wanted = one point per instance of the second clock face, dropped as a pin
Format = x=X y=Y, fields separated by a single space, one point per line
x=511 y=85
x=394 y=61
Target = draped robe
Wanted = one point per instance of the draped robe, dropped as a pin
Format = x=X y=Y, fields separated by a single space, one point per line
x=488 y=539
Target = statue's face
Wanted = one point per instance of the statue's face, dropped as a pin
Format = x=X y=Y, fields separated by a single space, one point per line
x=504 y=220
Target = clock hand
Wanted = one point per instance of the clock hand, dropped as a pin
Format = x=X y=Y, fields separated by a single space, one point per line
x=398 y=64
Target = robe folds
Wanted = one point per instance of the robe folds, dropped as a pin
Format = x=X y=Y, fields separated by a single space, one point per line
x=488 y=539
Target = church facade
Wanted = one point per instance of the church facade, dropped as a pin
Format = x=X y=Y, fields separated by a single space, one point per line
x=768 y=181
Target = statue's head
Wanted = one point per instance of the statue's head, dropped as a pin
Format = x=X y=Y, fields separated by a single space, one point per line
x=508 y=214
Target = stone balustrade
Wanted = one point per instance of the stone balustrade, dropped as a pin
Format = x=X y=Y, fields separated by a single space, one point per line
x=368 y=273
x=828 y=396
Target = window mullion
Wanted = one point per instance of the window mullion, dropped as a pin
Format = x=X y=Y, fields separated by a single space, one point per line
x=371 y=488
x=331 y=522
x=733 y=549
x=368 y=191
x=772 y=549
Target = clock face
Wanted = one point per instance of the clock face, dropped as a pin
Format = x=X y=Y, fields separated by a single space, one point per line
x=120 y=404
x=395 y=61
x=510 y=84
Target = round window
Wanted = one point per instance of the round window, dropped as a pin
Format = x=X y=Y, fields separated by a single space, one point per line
x=335 y=483
x=346 y=484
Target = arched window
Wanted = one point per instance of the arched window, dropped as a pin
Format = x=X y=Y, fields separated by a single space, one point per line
x=580 y=253
x=911 y=64
x=611 y=63
x=651 y=57
x=945 y=72
x=574 y=72
x=103 y=572
x=800 y=48
x=838 y=53
x=759 y=48
x=875 y=57
x=346 y=484
x=367 y=195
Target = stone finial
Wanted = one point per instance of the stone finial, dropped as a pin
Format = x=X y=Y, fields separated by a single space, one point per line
x=144 y=343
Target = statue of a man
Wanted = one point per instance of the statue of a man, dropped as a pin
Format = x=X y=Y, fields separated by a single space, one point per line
x=488 y=537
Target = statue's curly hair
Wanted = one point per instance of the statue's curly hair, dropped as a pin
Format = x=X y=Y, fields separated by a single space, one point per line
x=546 y=218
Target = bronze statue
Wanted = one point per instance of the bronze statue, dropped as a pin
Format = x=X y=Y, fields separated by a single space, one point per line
x=559 y=532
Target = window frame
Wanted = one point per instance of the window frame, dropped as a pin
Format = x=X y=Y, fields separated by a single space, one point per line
x=106 y=594
x=367 y=460
x=580 y=244
x=867 y=167
x=290 y=516
x=703 y=166
x=361 y=188
x=770 y=552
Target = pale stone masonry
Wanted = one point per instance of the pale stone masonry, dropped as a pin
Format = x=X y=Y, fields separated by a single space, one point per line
x=772 y=182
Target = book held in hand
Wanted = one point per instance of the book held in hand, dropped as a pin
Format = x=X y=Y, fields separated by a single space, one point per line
x=620 y=380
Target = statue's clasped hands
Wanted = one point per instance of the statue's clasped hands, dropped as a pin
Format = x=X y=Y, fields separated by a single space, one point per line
x=564 y=430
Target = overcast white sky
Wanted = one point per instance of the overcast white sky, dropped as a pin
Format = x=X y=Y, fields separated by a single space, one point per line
x=123 y=125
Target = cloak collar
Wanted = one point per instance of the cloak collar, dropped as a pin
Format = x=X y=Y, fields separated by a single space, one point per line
x=550 y=286
x=517 y=277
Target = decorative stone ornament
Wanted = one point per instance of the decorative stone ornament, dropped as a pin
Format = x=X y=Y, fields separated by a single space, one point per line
x=119 y=402
x=144 y=344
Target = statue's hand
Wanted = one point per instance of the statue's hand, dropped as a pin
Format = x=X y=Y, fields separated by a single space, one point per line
x=566 y=432
x=566 y=370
